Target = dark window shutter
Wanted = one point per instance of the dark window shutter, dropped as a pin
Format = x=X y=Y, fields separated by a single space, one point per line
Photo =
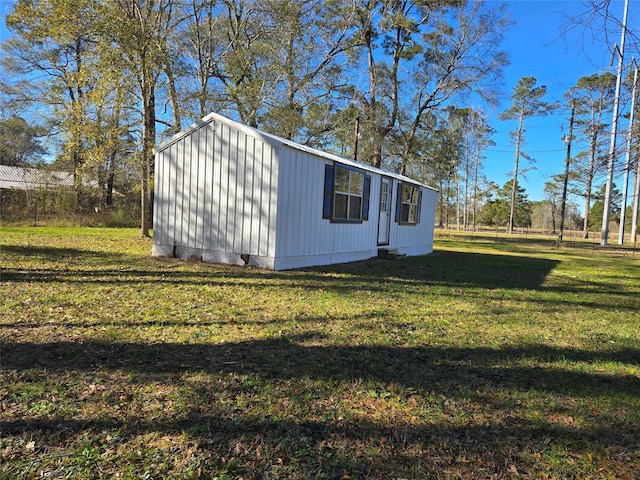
x=327 y=203
x=365 y=197
x=399 y=202
x=419 y=206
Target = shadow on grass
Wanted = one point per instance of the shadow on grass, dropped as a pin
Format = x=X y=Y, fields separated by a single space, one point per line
x=445 y=268
x=263 y=448
x=58 y=254
x=303 y=446
x=444 y=369
x=333 y=446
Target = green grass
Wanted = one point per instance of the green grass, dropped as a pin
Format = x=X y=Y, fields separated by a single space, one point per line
x=491 y=358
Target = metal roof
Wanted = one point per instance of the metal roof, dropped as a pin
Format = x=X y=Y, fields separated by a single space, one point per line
x=278 y=142
x=31 y=178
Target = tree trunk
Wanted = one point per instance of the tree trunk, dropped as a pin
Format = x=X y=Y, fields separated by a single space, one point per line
x=465 y=198
x=514 y=187
x=148 y=142
x=173 y=94
x=636 y=201
x=587 y=205
x=475 y=188
x=441 y=216
x=110 y=179
x=593 y=145
x=458 y=204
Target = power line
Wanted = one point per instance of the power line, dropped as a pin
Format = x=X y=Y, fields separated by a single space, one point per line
x=528 y=151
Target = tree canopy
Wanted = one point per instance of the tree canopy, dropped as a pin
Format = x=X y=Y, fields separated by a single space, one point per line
x=21 y=143
x=527 y=101
x=302 y=70
x=103 y=81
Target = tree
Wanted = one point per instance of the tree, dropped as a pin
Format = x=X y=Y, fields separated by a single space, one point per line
x=418 y=56
x=49 y=62
x=474 y=138
x=443 y=151
x=597 y=208
x=198 y=43
x=553 y=194
x=309 y=38
x=20 y=142
x=527 y=101
x=243 y=64
x=542 y=215
x=140 y=30
x=593 y=96
x=396 y=25
x=461 y=55
x=79 y=83
x=482 y=141
x=497 y=210
x=274 y=64
x=305 y=70
x=114 y=145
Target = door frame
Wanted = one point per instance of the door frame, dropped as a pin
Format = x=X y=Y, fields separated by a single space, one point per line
x=387 y=225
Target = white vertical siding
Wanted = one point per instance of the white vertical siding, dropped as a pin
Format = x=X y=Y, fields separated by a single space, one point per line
x=267 y=198
x=212 y=182
x=220 y=226
x=190 y=189
x=234 y=205
x=256 y=208
x=429 y=199
x=196 y=199
x=261 y=231
x=216 y=233
x=169 y=169
x=301 y=229
x=413 y=238
x=223 y=190
x=161 y=196
x=229 y=199
x=215 y=191
x=204 y=179
x=296 y=222
x=247 y=200
x=180 y=191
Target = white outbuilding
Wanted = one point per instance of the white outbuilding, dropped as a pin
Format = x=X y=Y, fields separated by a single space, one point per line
x=229 y=193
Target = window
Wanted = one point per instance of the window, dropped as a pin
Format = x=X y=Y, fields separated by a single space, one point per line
x=348 y=188
x=408 y=206
x=346 y=194
x=384 y=197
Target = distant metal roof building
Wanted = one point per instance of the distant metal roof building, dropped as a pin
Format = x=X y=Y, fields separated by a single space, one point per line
x=21 y=178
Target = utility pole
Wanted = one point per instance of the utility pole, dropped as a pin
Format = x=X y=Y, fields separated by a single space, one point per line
x=356 y=136
x=627 y=168
x=567 y=162
x=636 y=201
x=614 y=130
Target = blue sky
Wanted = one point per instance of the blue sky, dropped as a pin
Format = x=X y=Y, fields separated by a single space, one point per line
x=539 y=50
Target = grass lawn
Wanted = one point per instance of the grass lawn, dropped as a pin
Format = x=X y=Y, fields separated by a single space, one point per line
x=491 y=358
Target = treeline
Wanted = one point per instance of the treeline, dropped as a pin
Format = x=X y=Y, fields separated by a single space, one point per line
x=105 y=80
x=111 y=78
x=591 y=103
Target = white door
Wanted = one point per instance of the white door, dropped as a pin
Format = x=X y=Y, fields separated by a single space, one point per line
x=385 y=209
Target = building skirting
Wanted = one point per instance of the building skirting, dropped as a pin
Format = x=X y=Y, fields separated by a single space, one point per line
x=279 y=263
